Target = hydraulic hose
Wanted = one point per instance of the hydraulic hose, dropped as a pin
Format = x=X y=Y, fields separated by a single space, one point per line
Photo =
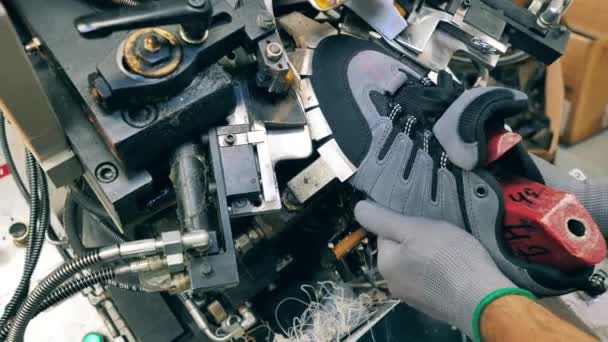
x=88 y=203
x=112 y=232
x=67 y=290
x=9 y=158
x=71 y=288
x=35 y=242
x=198 y=240
x=33 y=302
x=70 y=211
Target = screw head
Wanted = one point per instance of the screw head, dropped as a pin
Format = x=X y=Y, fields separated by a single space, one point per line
x=230 y=139
x=140 y=117
x=274 y=51
x=106 y=172
x=206 y=269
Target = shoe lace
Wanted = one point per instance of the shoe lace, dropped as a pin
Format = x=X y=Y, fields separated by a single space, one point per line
x=417 y=105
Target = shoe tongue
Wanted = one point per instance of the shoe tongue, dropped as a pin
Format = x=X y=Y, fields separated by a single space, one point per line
x=427 y=103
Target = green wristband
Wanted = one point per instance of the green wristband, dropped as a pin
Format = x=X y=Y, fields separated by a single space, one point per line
x=489 y=299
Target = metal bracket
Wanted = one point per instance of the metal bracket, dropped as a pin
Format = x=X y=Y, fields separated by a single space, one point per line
x=331 y=164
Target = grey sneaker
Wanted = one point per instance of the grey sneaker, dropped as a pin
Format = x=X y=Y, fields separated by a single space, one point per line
x=382 y=114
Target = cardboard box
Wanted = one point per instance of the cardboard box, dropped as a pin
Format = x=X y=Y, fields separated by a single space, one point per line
x=589 y=17
x=585 y=69
x=554 y=105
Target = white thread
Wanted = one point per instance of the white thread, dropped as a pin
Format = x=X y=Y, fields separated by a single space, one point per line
x=330 y=315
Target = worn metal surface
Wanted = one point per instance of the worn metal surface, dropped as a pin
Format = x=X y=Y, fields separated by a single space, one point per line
x=306 y=32
x=217 y=270
x=382 y=15
x=32 y=114
x=176 y=119
x=130 y=196
x=302 y=61
x=319 y=128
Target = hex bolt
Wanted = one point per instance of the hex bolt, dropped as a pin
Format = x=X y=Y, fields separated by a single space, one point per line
x=274 y=51
x=151 y=43
x=153 y=49
x=106 y=172
x=19 y=232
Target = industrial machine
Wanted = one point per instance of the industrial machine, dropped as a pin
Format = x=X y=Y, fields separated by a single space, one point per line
x=195 y=152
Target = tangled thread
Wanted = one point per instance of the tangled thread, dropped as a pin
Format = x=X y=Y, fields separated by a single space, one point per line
x=332 y=313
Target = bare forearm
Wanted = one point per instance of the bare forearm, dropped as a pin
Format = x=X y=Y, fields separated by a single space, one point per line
x=517 y=318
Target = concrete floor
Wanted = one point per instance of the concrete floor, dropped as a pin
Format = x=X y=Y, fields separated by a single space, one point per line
x=590 y=156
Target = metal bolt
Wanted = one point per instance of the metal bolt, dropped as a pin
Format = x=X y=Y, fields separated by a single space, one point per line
x=19 y=232
x=151 y=43
x=274 y=51
x=230 y=139
x=106 y=172
x=206 y=269
x=153 y=49
x=33 y=45
x=466 y=3
x=141 y=117
x=265 y=20
x=99 y=87
x=197 y=3
x=240 y=203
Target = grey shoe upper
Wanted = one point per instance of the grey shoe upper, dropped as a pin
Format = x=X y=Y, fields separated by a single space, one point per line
x=383 y=179
x=412 y=175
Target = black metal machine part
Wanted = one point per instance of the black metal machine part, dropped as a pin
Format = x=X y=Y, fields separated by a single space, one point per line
x=522 y=29
x=138 y=139
x=228 y=28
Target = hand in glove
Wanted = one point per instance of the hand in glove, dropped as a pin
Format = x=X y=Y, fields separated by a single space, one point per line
x=435 y=266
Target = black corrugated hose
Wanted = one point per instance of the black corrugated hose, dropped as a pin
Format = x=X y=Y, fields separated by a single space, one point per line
x=9 y=159
x=32 y=303
x=39 y=221
x=67 y=290
x=88 y=203
x=70 y=213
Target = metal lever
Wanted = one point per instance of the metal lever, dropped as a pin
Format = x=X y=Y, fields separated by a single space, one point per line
x=194 y=17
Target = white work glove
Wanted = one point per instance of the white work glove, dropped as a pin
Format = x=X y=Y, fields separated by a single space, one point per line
x=435 y=267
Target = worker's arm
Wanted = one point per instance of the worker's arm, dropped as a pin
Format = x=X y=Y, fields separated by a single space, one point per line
x=443 y=271
x=518 y=318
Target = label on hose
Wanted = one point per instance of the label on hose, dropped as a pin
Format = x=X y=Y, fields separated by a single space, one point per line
x=4 y=171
